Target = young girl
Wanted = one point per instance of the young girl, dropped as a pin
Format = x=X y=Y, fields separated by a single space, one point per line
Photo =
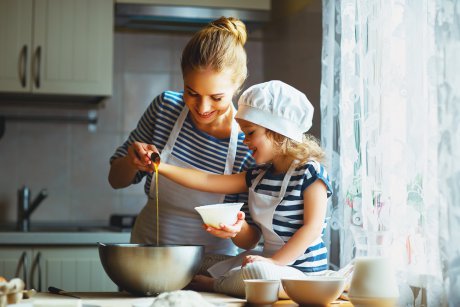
x=288 y=192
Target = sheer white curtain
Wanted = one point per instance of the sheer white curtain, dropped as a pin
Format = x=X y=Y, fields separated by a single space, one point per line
x=390 y=104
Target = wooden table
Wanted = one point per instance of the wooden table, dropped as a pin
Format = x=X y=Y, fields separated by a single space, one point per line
x=123 y=299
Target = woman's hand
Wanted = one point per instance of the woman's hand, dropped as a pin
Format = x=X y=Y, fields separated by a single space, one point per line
x=139 y=156
x=254 y=258
x=226 y=231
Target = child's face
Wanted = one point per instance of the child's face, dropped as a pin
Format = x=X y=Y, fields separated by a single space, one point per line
x=257 y=141
x=208 y=94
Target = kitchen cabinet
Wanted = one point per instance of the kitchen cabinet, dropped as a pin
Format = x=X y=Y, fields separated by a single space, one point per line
x=60 y=47
x=67 y=267
x=228 y=4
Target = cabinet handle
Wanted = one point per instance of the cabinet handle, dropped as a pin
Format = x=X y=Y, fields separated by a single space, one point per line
x=36 y=265
x=23 y=66
x=22 y=264
x=38 y=59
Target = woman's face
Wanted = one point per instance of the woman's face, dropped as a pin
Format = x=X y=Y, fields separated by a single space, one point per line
x=257 y=141
x=208 y=94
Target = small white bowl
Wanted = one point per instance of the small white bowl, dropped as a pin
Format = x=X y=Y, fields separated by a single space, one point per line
x=314 y=290
x=214 y=215
x=261 y=291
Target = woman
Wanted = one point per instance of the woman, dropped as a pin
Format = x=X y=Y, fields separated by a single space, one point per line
x=193 y=129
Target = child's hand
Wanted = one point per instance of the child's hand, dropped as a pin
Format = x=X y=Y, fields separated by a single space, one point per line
x=226 y=231
x=254 y=258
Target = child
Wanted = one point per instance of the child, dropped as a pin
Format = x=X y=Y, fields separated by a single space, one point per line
x=288 y=192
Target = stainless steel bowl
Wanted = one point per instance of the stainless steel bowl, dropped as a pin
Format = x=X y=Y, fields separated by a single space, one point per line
x=149 y=269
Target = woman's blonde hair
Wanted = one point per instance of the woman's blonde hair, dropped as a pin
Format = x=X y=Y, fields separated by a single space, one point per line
x=220 y=46
x=308 y=149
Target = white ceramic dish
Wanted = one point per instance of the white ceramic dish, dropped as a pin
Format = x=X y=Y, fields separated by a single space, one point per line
x=261 y=291
x=214 y=215
x=314 y=290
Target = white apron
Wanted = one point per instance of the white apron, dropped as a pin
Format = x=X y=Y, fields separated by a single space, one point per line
x=179 y=221
x=262 y=208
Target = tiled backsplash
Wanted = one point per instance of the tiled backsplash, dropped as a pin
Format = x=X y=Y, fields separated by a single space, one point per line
x=73 y=163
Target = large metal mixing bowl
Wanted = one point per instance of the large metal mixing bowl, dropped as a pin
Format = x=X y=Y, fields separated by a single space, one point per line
x=149 y=269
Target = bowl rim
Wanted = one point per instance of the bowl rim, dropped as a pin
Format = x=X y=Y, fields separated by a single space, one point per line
x=258 y=280
x=219 y=205
x=319 y=278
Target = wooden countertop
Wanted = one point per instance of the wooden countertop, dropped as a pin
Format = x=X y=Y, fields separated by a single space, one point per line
x=123 y=299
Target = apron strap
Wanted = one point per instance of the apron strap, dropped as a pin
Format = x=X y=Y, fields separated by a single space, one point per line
x=232 y=148
x=286 y=179
x=258 y=179
x=174 y=133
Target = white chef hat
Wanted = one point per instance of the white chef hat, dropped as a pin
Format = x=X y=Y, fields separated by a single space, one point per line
x=277 y=106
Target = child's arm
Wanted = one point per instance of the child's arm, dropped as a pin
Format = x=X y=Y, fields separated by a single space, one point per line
x=202 y=181
x=315 y=205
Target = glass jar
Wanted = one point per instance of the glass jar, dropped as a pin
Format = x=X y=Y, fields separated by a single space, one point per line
x=374 y=280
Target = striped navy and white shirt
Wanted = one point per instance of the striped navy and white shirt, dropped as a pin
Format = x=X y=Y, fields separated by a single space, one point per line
x=193 y=146
x=288 y=215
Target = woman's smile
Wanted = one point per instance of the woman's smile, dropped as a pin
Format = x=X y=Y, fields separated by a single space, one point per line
x=206 y=115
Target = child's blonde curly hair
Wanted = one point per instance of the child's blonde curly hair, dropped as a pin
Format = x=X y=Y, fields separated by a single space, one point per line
x=308 y=149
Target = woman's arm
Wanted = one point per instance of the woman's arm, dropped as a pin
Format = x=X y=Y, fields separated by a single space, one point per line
x=124 y=169
x=202 y=181
x=131 y=158
x=121 y=173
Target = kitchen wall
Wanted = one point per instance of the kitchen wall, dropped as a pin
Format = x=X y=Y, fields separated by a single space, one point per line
x=292 y=49
x=72 y=163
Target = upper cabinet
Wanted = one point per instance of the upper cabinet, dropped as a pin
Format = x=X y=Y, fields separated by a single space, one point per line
x=56 y=46
x=229 y=4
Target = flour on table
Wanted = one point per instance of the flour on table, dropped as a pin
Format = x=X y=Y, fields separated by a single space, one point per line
x=181 y=298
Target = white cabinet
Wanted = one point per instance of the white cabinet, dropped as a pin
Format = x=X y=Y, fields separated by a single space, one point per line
x=71 y=268
x=56 y=46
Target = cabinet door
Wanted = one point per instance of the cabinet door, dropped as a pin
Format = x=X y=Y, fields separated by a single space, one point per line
x=73 y=45
x=73 y=269
x=15 y=262
x=15 y=45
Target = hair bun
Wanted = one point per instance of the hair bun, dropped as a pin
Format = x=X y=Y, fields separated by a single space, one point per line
x=232 y=25
x=218 y=46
